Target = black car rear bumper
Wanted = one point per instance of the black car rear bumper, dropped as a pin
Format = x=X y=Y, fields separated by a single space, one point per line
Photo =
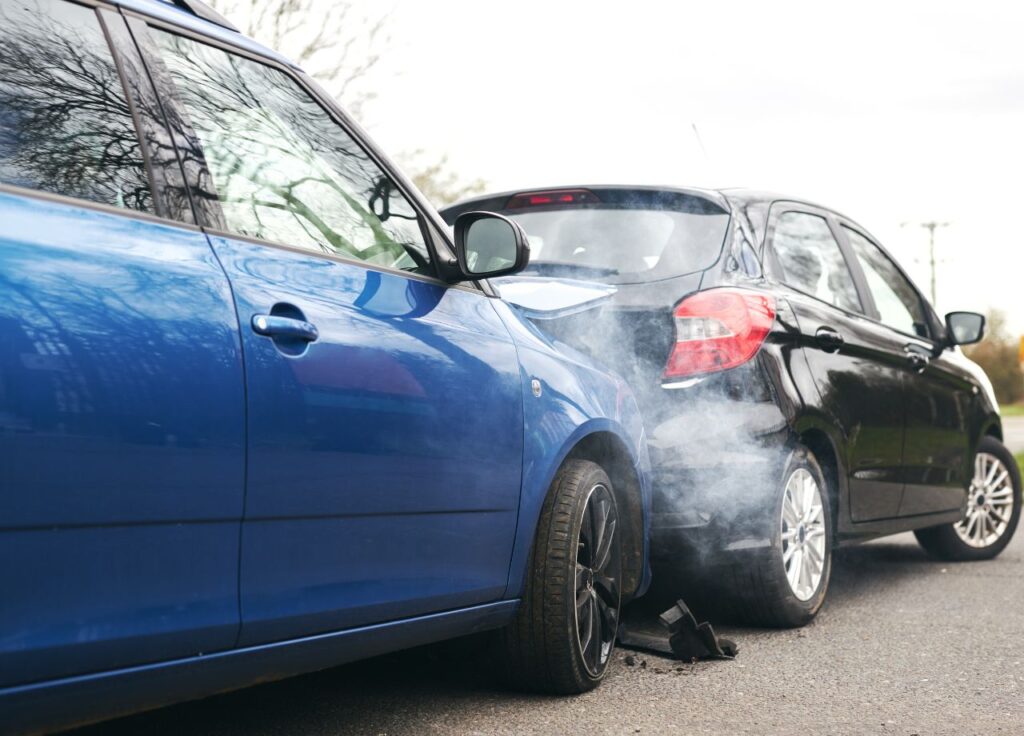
x=716 y=469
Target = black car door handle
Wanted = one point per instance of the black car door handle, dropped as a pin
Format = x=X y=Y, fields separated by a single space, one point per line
x=918 y=361
x=273 y=325
x=829 y=339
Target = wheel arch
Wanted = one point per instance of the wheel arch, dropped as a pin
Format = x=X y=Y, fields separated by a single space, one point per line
x=608 y=450
x=993 y=428
x=821 y=447
x=817 y=436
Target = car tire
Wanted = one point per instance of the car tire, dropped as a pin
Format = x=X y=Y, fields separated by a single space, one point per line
x=798 y=530
x=564 y=632
x=992 y=514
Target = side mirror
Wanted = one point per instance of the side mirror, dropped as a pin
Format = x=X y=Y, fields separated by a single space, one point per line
x=964 y=328
x=489 y=245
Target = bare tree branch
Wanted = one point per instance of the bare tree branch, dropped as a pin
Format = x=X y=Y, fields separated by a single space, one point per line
x=344 y=48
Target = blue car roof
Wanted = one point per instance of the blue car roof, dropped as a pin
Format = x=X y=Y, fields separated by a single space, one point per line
x=167 y=10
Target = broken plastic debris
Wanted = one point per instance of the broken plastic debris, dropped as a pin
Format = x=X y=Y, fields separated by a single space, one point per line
x=690 y=640
x=687 y=640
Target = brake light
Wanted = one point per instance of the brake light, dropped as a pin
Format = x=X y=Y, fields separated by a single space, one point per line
x=718 y=329
x=556 y=196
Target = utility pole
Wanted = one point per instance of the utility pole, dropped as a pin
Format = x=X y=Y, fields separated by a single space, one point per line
x=931 y=227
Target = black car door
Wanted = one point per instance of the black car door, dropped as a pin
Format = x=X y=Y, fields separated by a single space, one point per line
x=857 y=364
x=936 y=452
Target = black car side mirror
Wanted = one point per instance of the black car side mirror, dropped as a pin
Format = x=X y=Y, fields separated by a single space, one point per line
x=964 y=328
x=489 y=245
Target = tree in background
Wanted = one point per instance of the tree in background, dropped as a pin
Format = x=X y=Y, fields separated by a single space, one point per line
x=342 y=48
x=439 y=183
x=999 y=355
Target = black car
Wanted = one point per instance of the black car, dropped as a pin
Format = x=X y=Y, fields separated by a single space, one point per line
x=799 y=392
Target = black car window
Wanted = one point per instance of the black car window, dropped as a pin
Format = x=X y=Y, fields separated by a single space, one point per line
x=898 y=303
x=812 y=261
x=283 y=170
x=65 y=124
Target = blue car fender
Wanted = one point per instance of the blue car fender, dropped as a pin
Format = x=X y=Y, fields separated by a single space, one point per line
x=573 y=407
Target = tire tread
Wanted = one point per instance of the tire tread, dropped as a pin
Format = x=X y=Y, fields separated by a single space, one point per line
x=537 y=650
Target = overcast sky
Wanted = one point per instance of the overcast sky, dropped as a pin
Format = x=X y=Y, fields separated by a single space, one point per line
x=889 y=112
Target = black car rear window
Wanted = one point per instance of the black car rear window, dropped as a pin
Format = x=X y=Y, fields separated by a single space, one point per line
x=624 y=238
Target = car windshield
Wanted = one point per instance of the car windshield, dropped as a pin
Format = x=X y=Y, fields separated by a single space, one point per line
x=621 y=245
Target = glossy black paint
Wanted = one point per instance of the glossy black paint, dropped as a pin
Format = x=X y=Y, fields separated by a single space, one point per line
x=893 y=418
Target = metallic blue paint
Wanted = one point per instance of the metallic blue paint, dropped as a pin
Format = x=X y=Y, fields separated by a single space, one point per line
x=365 y=475
x=121 y=442
x=89 y=698
x=409 y=486
x=384 y=457
x=577 y=399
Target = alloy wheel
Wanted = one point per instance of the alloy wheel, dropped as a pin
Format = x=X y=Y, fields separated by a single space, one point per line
x=597 y=580
x=803 y=534
x=989 y=503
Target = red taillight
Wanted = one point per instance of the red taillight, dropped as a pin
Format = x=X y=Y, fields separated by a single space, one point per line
x=559 y=196
x=718 y=329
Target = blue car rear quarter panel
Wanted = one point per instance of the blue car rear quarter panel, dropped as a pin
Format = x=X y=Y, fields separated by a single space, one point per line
x=121 y=442
x=577 y=399
x=385 y=458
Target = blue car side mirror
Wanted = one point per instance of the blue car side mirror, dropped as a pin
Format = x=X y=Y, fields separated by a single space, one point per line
x=489 y=245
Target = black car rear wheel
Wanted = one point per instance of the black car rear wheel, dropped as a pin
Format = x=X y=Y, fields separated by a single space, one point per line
x=783 y=583
x=562 y=639
x=992 y=512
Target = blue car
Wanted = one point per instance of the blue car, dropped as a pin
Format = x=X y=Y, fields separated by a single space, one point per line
x=259 y=413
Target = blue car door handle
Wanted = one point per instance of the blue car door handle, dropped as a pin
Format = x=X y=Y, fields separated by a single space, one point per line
x=273 y=325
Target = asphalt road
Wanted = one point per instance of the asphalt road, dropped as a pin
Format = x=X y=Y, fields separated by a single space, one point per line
x=905 y=645
x=1013 y=433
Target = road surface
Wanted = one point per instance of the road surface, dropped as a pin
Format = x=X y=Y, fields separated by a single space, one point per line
x=1013 y=433
x=905 y=645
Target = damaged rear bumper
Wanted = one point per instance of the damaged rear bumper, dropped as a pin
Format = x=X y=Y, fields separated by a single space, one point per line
x=712 y=492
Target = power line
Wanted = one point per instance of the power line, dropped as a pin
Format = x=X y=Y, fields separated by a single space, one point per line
x=931 y=226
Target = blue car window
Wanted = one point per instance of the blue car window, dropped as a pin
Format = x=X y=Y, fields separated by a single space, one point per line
x=65 y=124
x=283 y=170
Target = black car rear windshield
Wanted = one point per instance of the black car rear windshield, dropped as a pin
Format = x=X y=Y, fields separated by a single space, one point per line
x=623 y=243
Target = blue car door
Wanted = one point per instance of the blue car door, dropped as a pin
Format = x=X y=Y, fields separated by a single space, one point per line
x=121 y=388
x=385 y=428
